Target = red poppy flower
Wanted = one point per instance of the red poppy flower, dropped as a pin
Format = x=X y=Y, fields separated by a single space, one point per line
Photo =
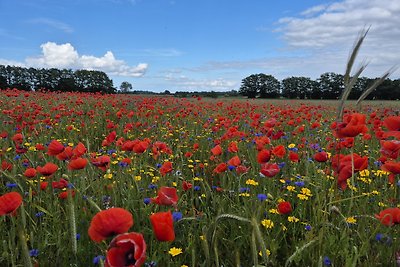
x=30 y=173
x=163 y=226
x=352 y=125
x=65 y=194
x=40 y=147
x=389 y=216
x=43 y=185
x=232 y=147
x=269 y=169
x=222 y=167
x=186 y=185
x=109 y=222
x=321 y=156
x=263 y=156
x=391 y=166
x=343 y=166
x=79 y=150
x=55 y=148
x=6 y=166
x=66 y=154
x=18 y=138
x=392 y=123
x=9 y=203
x=127 y=249
x=101 y=162
x=279 y=151
x=166 y=168
x=390 y=148
x=293 y=156
x=60 y=184
x=140 y=147
x=77 y=164
x=166 y=196
x=234 y=161
x=217 y=150
x=242 y=169
x=109 y=139
x=48 y=169
x=284 y=207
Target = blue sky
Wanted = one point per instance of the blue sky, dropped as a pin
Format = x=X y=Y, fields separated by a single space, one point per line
x=193 y=45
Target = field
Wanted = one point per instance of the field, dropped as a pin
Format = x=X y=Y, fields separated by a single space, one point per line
x=197 y=182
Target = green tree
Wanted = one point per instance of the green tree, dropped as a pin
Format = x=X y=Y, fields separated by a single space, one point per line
x=331 y=85
x=125 y=87
x=298 y=87
x=269 y=86
x=260 y=84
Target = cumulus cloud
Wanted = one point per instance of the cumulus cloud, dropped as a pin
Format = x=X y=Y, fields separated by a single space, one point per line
x=328 y=32
x=320 y=38
x=66 y=56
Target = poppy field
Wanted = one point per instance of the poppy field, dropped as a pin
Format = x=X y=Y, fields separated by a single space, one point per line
x=127 y=180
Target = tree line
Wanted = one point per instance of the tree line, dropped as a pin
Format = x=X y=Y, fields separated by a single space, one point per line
x=53 y=79
x=328 y=86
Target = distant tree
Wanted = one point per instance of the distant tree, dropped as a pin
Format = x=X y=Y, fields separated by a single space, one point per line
x=358 y=88
x=331 y=85
x=167 y=92
x=298 y=87
x=269 y=86
x=3 y=82
x=125 y=87
x=260 y=84
x=250 y=86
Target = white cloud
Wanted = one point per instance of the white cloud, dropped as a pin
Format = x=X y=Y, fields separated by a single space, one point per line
x=320 y=38
x=54 y=55
x=185 y=83
x=66 y=56
x=53 y=24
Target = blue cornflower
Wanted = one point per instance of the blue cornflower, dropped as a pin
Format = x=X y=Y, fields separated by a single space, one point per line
x=25 y=164
x=281 y=165
x=176 y=215
x=196 y=188
x=158 y=165
x=39 y=214
x=78 y=236
x=244 y=189
x=151 y=264
x=308 y=227
x=17 y=157
x=299 y=183
x=231 y=168
x=96 y=260
x=111 y=151
x=262 y=197
x=146 y=200
x=152 y=186
x=34 y=252
x=122 y=164
x=11 y=185
x=327 y=261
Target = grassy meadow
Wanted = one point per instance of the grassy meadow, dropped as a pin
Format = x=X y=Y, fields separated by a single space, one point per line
x=251 y=182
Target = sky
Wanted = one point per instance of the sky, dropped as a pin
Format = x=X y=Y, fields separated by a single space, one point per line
x=199 y=45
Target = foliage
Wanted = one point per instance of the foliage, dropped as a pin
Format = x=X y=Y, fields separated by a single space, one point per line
x=53 y=79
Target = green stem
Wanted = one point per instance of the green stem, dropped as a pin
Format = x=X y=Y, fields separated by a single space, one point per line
x=22 y=240
x=72 y=222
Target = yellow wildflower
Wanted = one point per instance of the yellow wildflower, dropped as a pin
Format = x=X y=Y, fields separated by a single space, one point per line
x=175 y=251
x=267 y=223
